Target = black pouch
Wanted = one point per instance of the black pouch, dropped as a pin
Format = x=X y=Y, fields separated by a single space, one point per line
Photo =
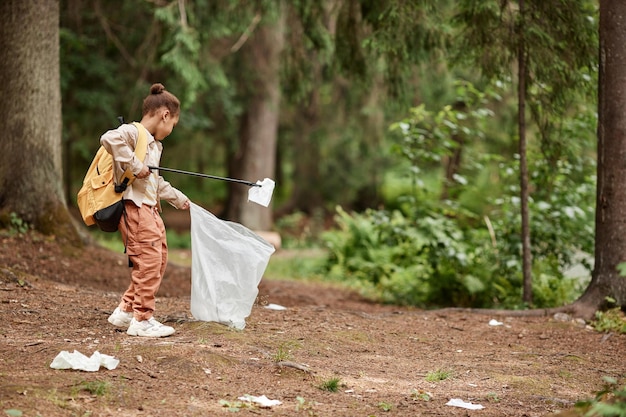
x=108 y=218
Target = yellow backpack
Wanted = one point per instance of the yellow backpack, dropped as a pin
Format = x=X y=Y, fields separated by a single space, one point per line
x=100 y=198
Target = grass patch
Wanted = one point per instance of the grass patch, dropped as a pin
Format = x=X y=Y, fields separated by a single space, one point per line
x=438 y=375
x=420 y=395
x=283 y=352
x=304 y=264
x=97 y=388
x=529 y=385
x=330 y=385
x=385 y=406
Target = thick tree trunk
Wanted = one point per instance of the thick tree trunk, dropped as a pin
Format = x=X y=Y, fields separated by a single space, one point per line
x=256 y=158
x=31 y=179
x=610 y=238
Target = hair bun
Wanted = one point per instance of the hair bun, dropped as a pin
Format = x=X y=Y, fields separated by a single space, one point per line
x=157 y=88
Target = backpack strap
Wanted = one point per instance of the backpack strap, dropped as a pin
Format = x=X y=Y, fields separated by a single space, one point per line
x=142 y=142
x=141 y=147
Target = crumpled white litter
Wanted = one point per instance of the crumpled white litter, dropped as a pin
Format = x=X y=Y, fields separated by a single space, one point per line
x=80 y=362
x=276 y=307
x=493 y=322
x=457 y=402
x=262 y=195
x=263 y=401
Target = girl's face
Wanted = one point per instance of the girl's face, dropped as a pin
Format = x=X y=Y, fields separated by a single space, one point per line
x=166 y=124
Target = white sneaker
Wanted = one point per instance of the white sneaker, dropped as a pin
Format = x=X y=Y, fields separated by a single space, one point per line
x=149 y=328
x=120 y=318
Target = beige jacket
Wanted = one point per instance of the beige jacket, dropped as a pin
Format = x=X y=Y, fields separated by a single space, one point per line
x=121 y=144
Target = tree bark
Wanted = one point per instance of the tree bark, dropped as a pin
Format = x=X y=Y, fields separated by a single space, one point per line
x=527 y=294
x=31 y=177
x=306 y=196
x=610 y=238
x=256 y=157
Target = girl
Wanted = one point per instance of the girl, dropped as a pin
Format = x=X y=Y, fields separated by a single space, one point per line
x=141 y=226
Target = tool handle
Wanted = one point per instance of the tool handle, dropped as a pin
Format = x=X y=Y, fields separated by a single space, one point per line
x=196 y=174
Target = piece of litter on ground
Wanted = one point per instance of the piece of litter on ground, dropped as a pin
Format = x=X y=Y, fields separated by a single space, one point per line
x=275 y=307
x=493 y=322
x=457 y=402
x=80 y=362
x=263 y=401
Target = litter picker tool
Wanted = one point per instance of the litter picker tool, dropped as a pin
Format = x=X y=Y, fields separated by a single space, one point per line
x=260 y=192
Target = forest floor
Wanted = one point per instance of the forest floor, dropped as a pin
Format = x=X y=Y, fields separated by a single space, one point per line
x=382 y=360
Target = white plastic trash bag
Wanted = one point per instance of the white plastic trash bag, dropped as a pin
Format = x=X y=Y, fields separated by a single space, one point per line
x=227 y=263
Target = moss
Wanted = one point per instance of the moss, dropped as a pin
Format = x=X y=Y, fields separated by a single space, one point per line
x=5 y=219
x=14 y=276
x=55 y=220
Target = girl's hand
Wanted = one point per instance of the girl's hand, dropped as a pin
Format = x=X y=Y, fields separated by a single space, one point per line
x=185 y=205
x=144 y=173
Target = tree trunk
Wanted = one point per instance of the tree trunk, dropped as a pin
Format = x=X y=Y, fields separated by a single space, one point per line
x=610 y=238
x=256 y=157
x=31 y=179
x=527 y=295
x=306 y=195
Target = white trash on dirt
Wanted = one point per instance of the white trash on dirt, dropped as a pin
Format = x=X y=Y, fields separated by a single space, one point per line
x=457 y=402
x=276 y=307
x=227 y=263
x=80 y=362
x=263 y=401
x=493 y=322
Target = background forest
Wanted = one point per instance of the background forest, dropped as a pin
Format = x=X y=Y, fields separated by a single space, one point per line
x=452 y=142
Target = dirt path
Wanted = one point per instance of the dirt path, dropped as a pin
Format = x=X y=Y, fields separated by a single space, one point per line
x=54 y=299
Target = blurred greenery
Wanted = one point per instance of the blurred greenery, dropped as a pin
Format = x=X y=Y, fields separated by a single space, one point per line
x=397 y=151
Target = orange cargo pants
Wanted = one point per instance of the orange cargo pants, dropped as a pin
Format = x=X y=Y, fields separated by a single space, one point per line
x=143 y=233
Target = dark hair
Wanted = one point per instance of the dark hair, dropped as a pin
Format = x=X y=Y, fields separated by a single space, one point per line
x=160 y=97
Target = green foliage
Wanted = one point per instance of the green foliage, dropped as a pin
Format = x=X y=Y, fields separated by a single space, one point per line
x=442 y=255
x=397 y=33
x=458 y=243
x=492 y=397
x=612 y=320
x=330 y=385
x=438 y=375
x=176 y=240
x=234 y=406
x=420 y=395
x=308 y=406
x=385 y=406
x=303 y=264
x=299 y=230
x=17 y=226
x=560 y=42
x=182 y=52
x=283 y=352
x=97 y=388
x=405 y=260
x=427 y=138
x=608 y=402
